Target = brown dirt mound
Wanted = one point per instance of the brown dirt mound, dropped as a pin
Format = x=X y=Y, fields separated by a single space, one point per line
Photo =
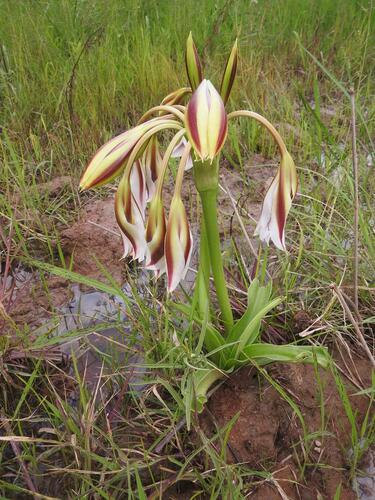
x=268 y=435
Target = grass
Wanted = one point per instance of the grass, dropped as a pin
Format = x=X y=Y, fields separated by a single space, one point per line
x=74 y=73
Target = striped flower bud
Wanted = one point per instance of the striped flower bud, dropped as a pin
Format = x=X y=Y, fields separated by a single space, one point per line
x=111 y=158
x=229 y=74
x=206 y=121
x=193 y=64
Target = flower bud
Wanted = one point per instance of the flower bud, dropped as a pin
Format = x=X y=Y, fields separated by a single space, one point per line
x=206 y=121
x=193 y=64
x=229 y=74
x=109 y=161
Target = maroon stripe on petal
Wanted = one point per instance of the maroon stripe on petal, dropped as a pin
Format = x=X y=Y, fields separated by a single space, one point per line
x=132 y=242
x=280 y=210
x=111 y=170
x=197 y=63
x=118 y=146
x=157 y=254
x=191 y=116
x=188 y=247
x=223 y=131
x=168 y=258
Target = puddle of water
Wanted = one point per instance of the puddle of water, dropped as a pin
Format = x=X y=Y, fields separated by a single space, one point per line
x=364 y=484
x=115 y=348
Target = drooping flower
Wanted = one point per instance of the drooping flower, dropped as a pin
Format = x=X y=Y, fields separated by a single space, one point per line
x=111 y=158
x=151 y=161
x=130 y=219
x=155 y=237
x=108 y=162
x=277 y=203
x=206 y=121
x=178 y=243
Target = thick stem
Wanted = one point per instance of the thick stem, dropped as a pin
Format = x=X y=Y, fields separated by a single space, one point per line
x=209 y=199
x=204 y=272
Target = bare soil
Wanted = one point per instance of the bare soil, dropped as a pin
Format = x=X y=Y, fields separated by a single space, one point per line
x=268 y=435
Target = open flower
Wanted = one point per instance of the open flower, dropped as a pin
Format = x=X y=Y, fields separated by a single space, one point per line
x=277 y=203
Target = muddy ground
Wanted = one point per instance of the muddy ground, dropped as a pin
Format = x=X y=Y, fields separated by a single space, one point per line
x=267 y=433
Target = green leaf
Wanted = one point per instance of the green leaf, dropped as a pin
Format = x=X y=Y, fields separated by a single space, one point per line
x=251 y=332
x=195 y=392
x=141 y=492
x=213 y=341
x=268 y=353
x=257 y=298
x=77 y=278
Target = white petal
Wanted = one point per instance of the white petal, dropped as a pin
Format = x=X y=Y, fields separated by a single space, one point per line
x=178 y=270
x=179 y=149
x=128 y=248
x=159 y=268
x=189 y=163
x=267 y=227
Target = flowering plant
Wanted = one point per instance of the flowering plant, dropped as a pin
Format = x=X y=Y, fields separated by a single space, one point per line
x=165 y=243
